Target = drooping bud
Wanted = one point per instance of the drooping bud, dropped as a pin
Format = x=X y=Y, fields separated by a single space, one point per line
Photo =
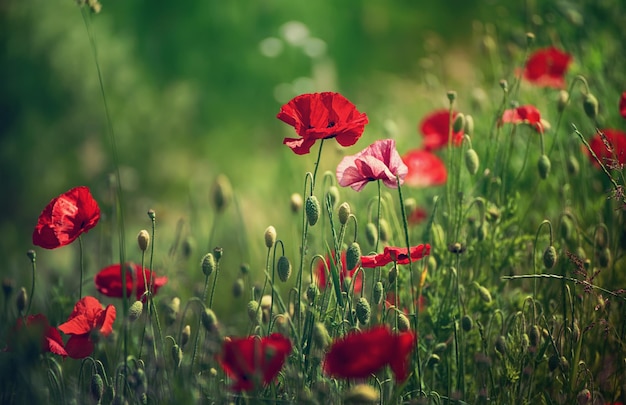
x=209 y=320
x=433 y=360
x=321 y=338
x=312 y=292
x=403 y=323
x=363 y=311
x=21 y=301
x=143 y=240
x=353 y=256
x=135 y=310
x=32 y=255
x=590 y=105
x=549 y=257
x=208 y=264
x=270 y=236
x=583 y=397
x=238 y=286
x=333 y=195
x=185 y=335
x=254 y=312
x=385 y=230
x=177 y=355
x=573 y=168
x=469 y=125
x=484 y=294
x=222 y=193
x=471 y=161
x=283 y=267
x=604 y=257
x=544 y=166
x=361 y=394
x=344 y=213
x=459 y=123
x=467 y=323
x=553 y=362
x=371 y=233
x=312 y=208
x=96 y=387
x=504 y=85
x=392 y=275
x=378 y=293
x=534 y=335
x=500 y=344
x=563 y=100
x=295 y=202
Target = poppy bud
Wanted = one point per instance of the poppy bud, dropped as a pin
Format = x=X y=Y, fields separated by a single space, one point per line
x=469 y=125
x=549 y=257
x=553 y=362
x=467 y=323
x=371 y=233
x=312 y=208
x=151 y=214
x=218 y=252
x=576 y=332
x=353 y=256
x=500 y=344
x=484 y=294
x=410 y=204
x=563 y=100
x=590 y=105
x=7 y=287
x=32 y=255
x=534 y=335
x=222 y=193
x=312 y=292
x=361 y=394
x=177 y=356
x=482 y=231
x=143 y=240
x=573 y=168
x=378 y=293
x=403 y=323
x=321 y=338
x=295 y=202
x=363 y=311
x=504 y=85
x=440 y=348
x=209 y=320
x=254 y=312
x=185 y=335
x=459 y=123
x=244 y=269
x=392 y=275
x=451 y=95
x=283 y=268
x=208 y=264
x=544 y=166
x=238 y=287
x=344 y=213
x=525 y=341
x=385 y=230
x=471 y=161
x=604 y=257
x=433 y=360
x=135 y=310
x=270 y=236
x=583 y=397
x=96 y=387
x=333 y=195
x=530 y=38
x=21 y=300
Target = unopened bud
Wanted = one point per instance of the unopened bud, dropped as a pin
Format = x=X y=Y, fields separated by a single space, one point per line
x=209 y=320
x=563 y=100
x=295 y=202
x=604 y=257
x=549 y=257
x=471 y=161
x=185 y=335
x=553 y=362
x=254 y=312
x=530 y=38
x=573 y=168
x=361 y=394
x=363 y=311
x=222 y=193
x=403 y=323
x=208 y=264
x=312 y=209
x=21 y=301
x=451 y=95
x=333 y=195
x=177 y=356
x=32 y=255
x=353 y=256
x=152 y=214
x=469 y=125
x=392 y=275
x=321 y=338
x=504 y=85
x=378 y=292
x=484 y=294
x=96 y=387
x=371 y=233
x=500 y=344
x=143 y=240
x=344 y=213
x=270 y=236
x=459 y=123
x=238 y=287
x=534 y=335
x=433 y=360
x=312 y=292
x=467 y=323
x=385 y=230
x=135 y=310
x=283 y=268
x=543 y=165
x=590 y=105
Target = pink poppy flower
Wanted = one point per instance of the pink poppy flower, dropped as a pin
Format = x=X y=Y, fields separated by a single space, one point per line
x=322 y=116
x=547 y=67
x=435 y=128
x=379 y=161
x=425 y=169
x=526 y=114
x=86 y=318
x=395 y=254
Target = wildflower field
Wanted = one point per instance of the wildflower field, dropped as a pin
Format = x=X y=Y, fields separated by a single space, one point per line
x=438 y=225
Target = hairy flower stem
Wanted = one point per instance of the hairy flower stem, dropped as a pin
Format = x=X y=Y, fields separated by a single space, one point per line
x=32 y=287
x=199 y=324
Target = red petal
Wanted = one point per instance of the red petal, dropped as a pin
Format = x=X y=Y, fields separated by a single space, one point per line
x=435 y=128
x=546 y=67
x=622 y=105
x=425 y=169
x=79 y=346
x=106 y=319
x=399 y=362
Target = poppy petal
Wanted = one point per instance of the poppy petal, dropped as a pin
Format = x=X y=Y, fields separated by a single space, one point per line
x=425 y=169
x=79 y=346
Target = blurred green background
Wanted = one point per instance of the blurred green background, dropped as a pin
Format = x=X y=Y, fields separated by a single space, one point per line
x=193 y=89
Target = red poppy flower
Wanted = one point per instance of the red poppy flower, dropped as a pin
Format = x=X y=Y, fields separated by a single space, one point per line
x=360 y=354
x=435 y=128
x=425 y=169
x=253 y=361
x=417 y=216
x=395 y=254
x=390 y=300
x=546 y=68
x=322 y=116
x=65 y=218
x=622 y=105
x=526 y=114
x=86 y=318
x=109 y=281
x=37 y=329
x=379 y=161
x=323 y=283
x=611 y=152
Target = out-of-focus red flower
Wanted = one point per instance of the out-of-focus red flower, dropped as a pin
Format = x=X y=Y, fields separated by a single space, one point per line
x=622 y=105
x=322 y=116
x=435 y=128
x=65 y=218
x=611 y=150
x=425 y=169
x=379 y=161
x=254 y=361
x=109 y=281
x=323 y=282
x=37 y=329
x=390 y=300
x=547 y=67
x=360 y=354
x=526 y=114
x=395 y=254
x=86 y=318
x=417 y=216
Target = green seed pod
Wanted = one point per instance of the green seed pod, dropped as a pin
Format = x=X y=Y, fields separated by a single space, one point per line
x=469 y=125
x=32 y=255
x=467 y=323
x=209 y=320
x=312 y=209
x=283 y=268
x=604 y=257
x=321 y=338
x=218 y=252
x=177 y=356
x=471 y=161
x=344 y=213
x=96 y=387
x=333 y=195
x=371 y=233
x=135 y=310
x=550 y=257
x=543 y=165
x=451 y=95
x=363 y=311
x=433 y=360
x=500 y=344
x=254 y=312
x=378 y=293
x=534 y=335
x=353 y=256
x=143 y=240
x=361 y=394
x=403 y=323
x=590 y=105
x=208 y=264
x=238 y=287
x=270 y=236
x=385 y=230
x=459 y=122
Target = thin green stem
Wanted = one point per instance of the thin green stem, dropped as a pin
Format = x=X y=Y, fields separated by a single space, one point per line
x=82 y=267
x=32 y=287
